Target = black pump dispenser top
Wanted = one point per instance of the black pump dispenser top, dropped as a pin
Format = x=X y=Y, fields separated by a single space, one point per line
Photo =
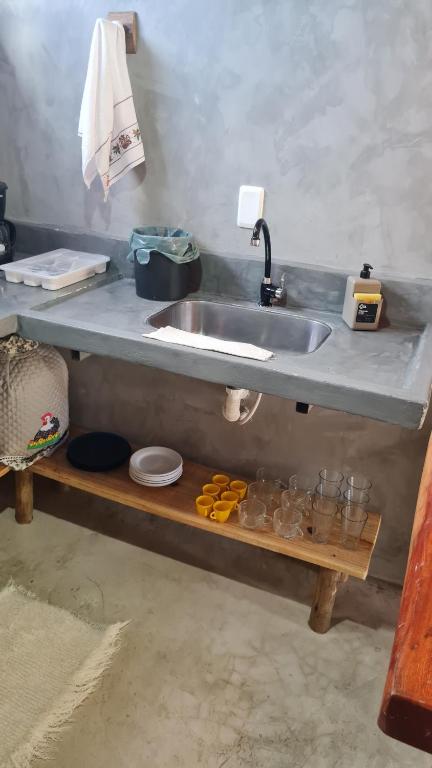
x=365 y=273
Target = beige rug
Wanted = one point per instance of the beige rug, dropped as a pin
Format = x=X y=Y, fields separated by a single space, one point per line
x=50 y=661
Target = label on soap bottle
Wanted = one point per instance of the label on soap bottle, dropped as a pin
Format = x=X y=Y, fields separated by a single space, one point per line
x=366 y=313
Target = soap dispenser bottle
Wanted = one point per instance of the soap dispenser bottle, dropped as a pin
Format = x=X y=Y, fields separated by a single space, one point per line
x=363 y=301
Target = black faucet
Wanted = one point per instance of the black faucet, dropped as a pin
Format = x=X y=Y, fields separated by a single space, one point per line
x=268 y=291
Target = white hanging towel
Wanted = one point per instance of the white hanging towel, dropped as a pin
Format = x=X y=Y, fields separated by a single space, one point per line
x=111 y=138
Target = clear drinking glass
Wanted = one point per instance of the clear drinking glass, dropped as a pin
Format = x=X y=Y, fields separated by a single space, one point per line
x=302 y=488
x=252 y=513
x=288 y=499
x=323 y=513
x=328 y=491
x=267 y=491
x=300 y=501
x=355 y=496
x=353 y=520
x=359 y=482
x=286 y=522
x=264 y=474
x=332 y=476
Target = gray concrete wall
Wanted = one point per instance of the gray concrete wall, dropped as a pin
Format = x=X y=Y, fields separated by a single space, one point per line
x=328 y=105
x=151 y=407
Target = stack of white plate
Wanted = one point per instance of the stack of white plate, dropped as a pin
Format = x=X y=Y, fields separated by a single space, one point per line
x=155 y=466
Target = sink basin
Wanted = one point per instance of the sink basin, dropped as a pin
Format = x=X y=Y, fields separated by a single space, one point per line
x=271 y=329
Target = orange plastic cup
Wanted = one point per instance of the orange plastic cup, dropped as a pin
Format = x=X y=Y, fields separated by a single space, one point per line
x=222 y=481
x=240 y=487
x=221 y=511
x=232 y=498
x=204 y=505
x=211 y=489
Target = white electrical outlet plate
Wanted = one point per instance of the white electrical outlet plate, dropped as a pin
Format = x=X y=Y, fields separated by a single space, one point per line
x=250 y=206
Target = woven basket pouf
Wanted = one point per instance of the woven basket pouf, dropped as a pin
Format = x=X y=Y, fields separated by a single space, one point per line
x=34 y=408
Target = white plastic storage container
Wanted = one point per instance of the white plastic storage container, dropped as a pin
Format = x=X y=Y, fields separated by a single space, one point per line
x=55 y=269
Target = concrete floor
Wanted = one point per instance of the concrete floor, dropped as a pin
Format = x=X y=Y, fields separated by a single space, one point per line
x=213 y=672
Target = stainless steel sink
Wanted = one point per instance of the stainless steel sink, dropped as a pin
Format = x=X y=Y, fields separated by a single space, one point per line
x=275 y=330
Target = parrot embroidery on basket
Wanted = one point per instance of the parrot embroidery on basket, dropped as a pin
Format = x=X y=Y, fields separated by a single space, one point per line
x=48 y=434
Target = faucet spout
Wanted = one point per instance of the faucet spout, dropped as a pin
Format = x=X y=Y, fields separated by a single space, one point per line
x=261 y=225
x=268 y=291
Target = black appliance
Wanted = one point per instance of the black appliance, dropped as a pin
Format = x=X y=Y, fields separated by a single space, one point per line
x=7 y=230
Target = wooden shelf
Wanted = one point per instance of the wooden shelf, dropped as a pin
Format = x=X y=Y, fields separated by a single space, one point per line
x=4 y=470
x=177 y=502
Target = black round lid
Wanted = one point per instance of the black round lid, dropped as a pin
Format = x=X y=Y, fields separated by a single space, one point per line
x=3 y=186
x=98 y=451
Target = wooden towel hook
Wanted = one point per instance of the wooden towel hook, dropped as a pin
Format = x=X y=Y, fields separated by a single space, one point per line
x=129 y=21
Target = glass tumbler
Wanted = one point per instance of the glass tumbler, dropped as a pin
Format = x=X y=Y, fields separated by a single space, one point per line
x=302 y=488
x=252 y=513
x=353 y=521
x=323 y=513
x=328 y=491
x=331 y=476
x=359 y=482
x=286 y=522
x=355 y=496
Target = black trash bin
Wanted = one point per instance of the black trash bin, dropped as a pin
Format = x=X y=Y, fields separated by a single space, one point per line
x=167 y=263
x=7 y=230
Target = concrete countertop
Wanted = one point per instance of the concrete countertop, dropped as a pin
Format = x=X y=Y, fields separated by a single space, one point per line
x=384 y=375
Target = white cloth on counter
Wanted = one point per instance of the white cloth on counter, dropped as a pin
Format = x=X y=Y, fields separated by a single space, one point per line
x=176 y=336
x=111 y=138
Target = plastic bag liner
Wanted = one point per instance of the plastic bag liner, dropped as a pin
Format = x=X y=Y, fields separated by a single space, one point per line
x=175 y=244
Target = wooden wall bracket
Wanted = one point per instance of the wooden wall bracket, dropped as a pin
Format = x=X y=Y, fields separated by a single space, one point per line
x=129 y=21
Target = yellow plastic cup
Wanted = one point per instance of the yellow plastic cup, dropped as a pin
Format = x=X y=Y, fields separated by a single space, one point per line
x=221 y=511
x=211 y=489
x=240 y=487
x=232 y=498
x=222 y=481
x=204 y=505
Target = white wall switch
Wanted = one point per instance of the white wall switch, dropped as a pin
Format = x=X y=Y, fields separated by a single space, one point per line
x=250 y=206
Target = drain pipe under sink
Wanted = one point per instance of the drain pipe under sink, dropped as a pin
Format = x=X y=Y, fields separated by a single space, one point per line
x=233 y=409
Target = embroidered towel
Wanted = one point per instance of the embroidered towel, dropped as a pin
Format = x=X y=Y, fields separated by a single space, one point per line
x=111 y=138
x=176 y=336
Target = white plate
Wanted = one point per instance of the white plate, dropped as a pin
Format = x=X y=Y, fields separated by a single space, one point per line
x=155 y=484
x=156 y=461
x=158 y=478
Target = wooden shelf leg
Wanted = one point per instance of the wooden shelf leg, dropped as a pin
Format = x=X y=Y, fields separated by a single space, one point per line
x=24 y=496
x=324 y=599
